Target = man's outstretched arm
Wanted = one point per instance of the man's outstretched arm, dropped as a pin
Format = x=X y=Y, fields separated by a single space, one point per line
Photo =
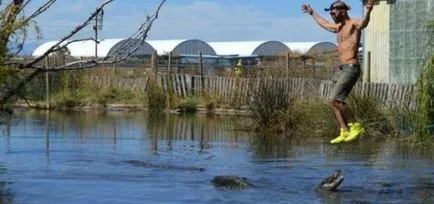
x=320 y=20
x=361 y=24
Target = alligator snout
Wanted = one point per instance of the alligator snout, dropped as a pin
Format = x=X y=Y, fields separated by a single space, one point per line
x=332 y=182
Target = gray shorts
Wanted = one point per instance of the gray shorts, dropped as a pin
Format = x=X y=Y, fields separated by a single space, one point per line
x=344 y=80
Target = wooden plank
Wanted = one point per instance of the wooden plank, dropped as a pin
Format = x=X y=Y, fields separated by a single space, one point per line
x=178 y=85
x=219 y=86
x=182 y=85
x=186 y=83
x=172 y=80
x=227 y=87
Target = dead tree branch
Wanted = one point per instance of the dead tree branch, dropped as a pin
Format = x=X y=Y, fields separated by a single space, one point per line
x=64 y=39
x=140 y=35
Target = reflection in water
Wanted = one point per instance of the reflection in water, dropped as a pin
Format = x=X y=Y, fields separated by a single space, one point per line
x=47 y=134
x=5 y=126
x=6 y=196
x=209 y=131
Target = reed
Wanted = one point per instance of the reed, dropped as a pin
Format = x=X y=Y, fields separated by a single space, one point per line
x=272 y=108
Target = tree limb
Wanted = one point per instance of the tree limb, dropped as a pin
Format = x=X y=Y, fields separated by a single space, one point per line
x=73 y=32
x=141 y=34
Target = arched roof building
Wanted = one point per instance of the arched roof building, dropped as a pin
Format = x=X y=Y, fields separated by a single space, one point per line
x=247 y=48
x=110 y=47
x=311 y=47
x=191 y=47
x=81 y=48
x=127 y=45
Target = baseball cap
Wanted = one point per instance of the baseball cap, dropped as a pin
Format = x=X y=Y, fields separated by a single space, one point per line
x=337 y=5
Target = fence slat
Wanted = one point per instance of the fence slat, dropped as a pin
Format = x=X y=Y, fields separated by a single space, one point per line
x=230 y=87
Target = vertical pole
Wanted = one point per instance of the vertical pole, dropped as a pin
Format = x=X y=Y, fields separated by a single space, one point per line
x=313 y=67
x=287 y=64
x=169 y=63
x=114 y=65
x=47 y=82
x=154 y=62
x=368 y=71
x=96 y=35
x=201 y=70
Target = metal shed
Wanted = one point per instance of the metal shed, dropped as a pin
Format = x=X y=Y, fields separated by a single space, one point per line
x=81 y=49
x=248 y=48
x=397 y=40
x=271 y=48
x=179 y=47
x=128 y=45
x=311 y=47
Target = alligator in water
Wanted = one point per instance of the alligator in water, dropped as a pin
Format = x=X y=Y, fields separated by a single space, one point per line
x=329 y=184
x=332 y=182
x=163 y=166
x=231 y=182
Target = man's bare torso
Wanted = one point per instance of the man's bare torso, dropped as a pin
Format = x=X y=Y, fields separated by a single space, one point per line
x=348 y=38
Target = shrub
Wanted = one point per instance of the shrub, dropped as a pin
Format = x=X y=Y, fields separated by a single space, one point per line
x=272 y=109
x=374 y=116
x=156 y=98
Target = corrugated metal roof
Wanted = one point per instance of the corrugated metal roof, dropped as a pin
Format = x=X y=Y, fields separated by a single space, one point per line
x=302 y=47
x=243 y=48
x=164 y=46
x=41 y=49
x=81 y=49
x=240 y=48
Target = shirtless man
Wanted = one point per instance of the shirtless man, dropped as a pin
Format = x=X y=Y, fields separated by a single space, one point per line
x=348 y=37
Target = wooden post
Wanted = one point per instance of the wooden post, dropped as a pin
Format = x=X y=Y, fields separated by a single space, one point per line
x=47 y=83
x=201 y=71
x=154 y=62
x=368 y=67
x=169 y=63
x=114 y=65
x=287 y=64
x=313 y=67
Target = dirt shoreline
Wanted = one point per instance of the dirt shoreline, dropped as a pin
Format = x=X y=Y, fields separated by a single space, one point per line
x=135 y=108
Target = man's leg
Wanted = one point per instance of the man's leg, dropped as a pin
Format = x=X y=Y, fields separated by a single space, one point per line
x=348 y=113
x=355 y=127
x=339 y=110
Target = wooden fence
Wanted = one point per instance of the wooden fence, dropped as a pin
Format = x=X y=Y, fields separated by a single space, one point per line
x=230 y=88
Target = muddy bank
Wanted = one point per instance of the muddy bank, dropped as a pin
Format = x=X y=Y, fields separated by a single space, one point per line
x=242 y=111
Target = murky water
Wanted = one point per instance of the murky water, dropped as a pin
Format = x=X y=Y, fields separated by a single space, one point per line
x=86 y=158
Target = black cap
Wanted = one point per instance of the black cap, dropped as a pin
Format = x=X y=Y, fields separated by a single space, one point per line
x=337 y=5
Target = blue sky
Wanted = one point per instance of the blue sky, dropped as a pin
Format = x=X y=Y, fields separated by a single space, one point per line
x=209 y=20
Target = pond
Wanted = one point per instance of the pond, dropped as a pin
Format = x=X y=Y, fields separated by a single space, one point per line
x=135 y=157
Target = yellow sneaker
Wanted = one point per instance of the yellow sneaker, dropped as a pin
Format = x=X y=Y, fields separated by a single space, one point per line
x=342 y=137
x=356 y=130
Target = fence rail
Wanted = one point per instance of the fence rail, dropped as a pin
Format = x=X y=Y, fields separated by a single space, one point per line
x=229 y=88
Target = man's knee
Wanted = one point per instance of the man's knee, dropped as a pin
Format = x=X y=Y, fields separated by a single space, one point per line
x=336 y=103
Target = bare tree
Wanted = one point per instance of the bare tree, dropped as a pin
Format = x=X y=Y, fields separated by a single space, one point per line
x=10 y=25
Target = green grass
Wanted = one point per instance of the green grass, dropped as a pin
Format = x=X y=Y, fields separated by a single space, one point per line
x=272 y=109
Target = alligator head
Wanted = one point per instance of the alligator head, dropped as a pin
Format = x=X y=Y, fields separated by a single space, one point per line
x=230 y=181
x=332 y=182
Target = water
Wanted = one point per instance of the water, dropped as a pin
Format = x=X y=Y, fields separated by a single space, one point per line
x=82 y=158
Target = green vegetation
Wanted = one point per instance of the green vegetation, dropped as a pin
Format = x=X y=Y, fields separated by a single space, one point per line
x=272 y=108
x=425 y=101
x=377 y=119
